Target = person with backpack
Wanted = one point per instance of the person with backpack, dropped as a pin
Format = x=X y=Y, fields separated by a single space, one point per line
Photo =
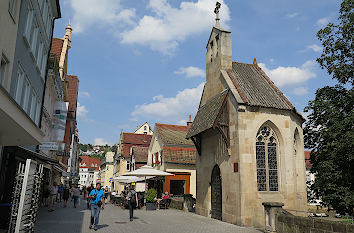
x=97 y=202
x=89 y=189
x=132 y=199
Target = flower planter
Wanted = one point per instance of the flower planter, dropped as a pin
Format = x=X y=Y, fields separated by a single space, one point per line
x=151 y=206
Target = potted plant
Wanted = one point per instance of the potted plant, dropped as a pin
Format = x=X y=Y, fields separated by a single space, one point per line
x=151 y=199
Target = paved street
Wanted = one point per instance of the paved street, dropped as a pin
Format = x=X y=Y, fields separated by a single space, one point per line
x=114 y=219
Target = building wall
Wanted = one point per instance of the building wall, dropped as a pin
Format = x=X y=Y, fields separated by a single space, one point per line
x=145 y=128
x=241 y=201
x=9 y=26
x=31 y=53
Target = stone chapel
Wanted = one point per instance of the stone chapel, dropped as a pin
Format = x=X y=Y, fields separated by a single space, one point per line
x=249 y=141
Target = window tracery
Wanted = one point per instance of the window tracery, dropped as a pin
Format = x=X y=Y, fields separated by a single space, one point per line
x=266 y=160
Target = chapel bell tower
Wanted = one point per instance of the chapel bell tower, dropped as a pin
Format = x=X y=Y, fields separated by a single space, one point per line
x=218 y=57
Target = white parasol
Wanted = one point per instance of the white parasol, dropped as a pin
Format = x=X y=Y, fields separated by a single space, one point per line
x=146 y=171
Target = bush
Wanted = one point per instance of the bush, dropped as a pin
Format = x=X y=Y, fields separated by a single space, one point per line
x=151 y=196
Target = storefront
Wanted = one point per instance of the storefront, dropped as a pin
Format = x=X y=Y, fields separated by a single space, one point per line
x=178 y=184
x=10 y=160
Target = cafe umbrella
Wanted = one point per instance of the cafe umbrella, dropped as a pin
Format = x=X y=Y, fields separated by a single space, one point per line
x=146 y=171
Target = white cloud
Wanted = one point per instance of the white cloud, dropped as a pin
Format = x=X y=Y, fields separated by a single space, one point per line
x=283 y=76
x=170 y=109
x=191 y=71
x=103 y=13
x=291 y=15
x=168 y=26
x=81 y=110
x=313 y=47
x=300 y=91
x=100 y=141
x=322 y=22
x=84 y=94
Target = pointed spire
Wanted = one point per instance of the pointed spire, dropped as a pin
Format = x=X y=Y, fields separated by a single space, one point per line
x=69 y=25
x=255 y=62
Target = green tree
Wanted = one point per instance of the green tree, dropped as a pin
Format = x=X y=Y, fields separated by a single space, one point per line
x=329 y=130
x=337 y=41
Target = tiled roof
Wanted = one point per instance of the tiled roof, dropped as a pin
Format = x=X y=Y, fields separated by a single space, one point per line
x=207 y=114
x=131 y=139
x=307 y=160
x=57 y=45
x=173 y=134
x=179 y=155
x=72 y=91
x=140 y=153
x=138 y=139
x=256 y=88
x=88 y=161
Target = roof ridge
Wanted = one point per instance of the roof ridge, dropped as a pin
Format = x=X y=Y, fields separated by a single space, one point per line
x=237 y=86
x=216 y=96
x=170 y=125
x=243 y=63
x=136 y=134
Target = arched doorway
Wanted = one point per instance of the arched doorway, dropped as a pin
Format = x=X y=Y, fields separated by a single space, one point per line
x=216 y=193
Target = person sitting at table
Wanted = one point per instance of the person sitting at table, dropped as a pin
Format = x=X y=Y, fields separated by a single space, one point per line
x=164 y=196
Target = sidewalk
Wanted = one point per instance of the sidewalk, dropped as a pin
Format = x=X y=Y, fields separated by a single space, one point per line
x=116 y=220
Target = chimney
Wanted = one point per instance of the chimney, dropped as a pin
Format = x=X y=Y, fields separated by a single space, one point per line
x=190 y=122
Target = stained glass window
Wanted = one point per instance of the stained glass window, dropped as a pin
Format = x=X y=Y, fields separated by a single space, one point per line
x=266 y=158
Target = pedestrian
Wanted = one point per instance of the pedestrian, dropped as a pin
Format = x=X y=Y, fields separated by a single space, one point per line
x=105 y=193
x=97 y=202
x=75 y=191
x=60 y=191
x=132 y=199
x=66 y=194
x=46 y=194
x=53 y=193
x=56 y=191
x=84 y=191
x=89 y=189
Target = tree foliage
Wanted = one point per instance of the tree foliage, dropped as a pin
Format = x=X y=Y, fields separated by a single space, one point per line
x=337 y=41
x=329 y=131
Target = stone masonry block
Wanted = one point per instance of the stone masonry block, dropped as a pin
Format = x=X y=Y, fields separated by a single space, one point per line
x=323 y=224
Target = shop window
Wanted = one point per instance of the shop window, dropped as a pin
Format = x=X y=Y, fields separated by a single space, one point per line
x=177 y=187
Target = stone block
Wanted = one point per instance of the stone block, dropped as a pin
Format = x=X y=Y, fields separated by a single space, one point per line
x=323 y=224
x=339 y=227
x=313 y=230
x=349 y=228
x=303 y=222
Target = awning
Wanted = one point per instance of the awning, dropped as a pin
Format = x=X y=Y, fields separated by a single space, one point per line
x=37 y=155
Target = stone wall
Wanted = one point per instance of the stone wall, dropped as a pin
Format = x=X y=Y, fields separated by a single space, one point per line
x=296 y=224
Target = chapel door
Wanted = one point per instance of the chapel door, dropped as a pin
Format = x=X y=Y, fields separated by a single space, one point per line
x=216 y=193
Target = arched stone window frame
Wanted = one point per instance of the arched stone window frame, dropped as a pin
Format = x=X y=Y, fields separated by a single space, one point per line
x=267 y=172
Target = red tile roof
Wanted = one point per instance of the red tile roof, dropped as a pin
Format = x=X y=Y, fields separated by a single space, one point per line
x=307 y=160
x=57 y=45
x=179 y=155
x=140 y=153
x=173 y=127
x=88 y=161
x=173 y=134
x=138 y=139
x=72 y=92
x=131 y=139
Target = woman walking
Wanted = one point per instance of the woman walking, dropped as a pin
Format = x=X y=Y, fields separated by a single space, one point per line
x=132 y=199
x=75 y=195
x=66 y=194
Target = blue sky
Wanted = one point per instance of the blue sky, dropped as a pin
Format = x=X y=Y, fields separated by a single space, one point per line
x=144 y=60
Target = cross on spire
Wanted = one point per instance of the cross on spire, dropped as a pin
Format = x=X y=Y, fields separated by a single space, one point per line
x=216 y=11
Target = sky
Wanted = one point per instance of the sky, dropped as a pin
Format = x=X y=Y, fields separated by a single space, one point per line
x=144 y=60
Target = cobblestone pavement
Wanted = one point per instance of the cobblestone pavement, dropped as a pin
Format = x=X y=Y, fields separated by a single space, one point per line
x=114 y=219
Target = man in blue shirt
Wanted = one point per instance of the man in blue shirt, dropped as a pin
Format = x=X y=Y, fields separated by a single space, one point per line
x=97 y=202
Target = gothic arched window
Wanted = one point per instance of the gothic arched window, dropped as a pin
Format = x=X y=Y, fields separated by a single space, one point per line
x=266 y=157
